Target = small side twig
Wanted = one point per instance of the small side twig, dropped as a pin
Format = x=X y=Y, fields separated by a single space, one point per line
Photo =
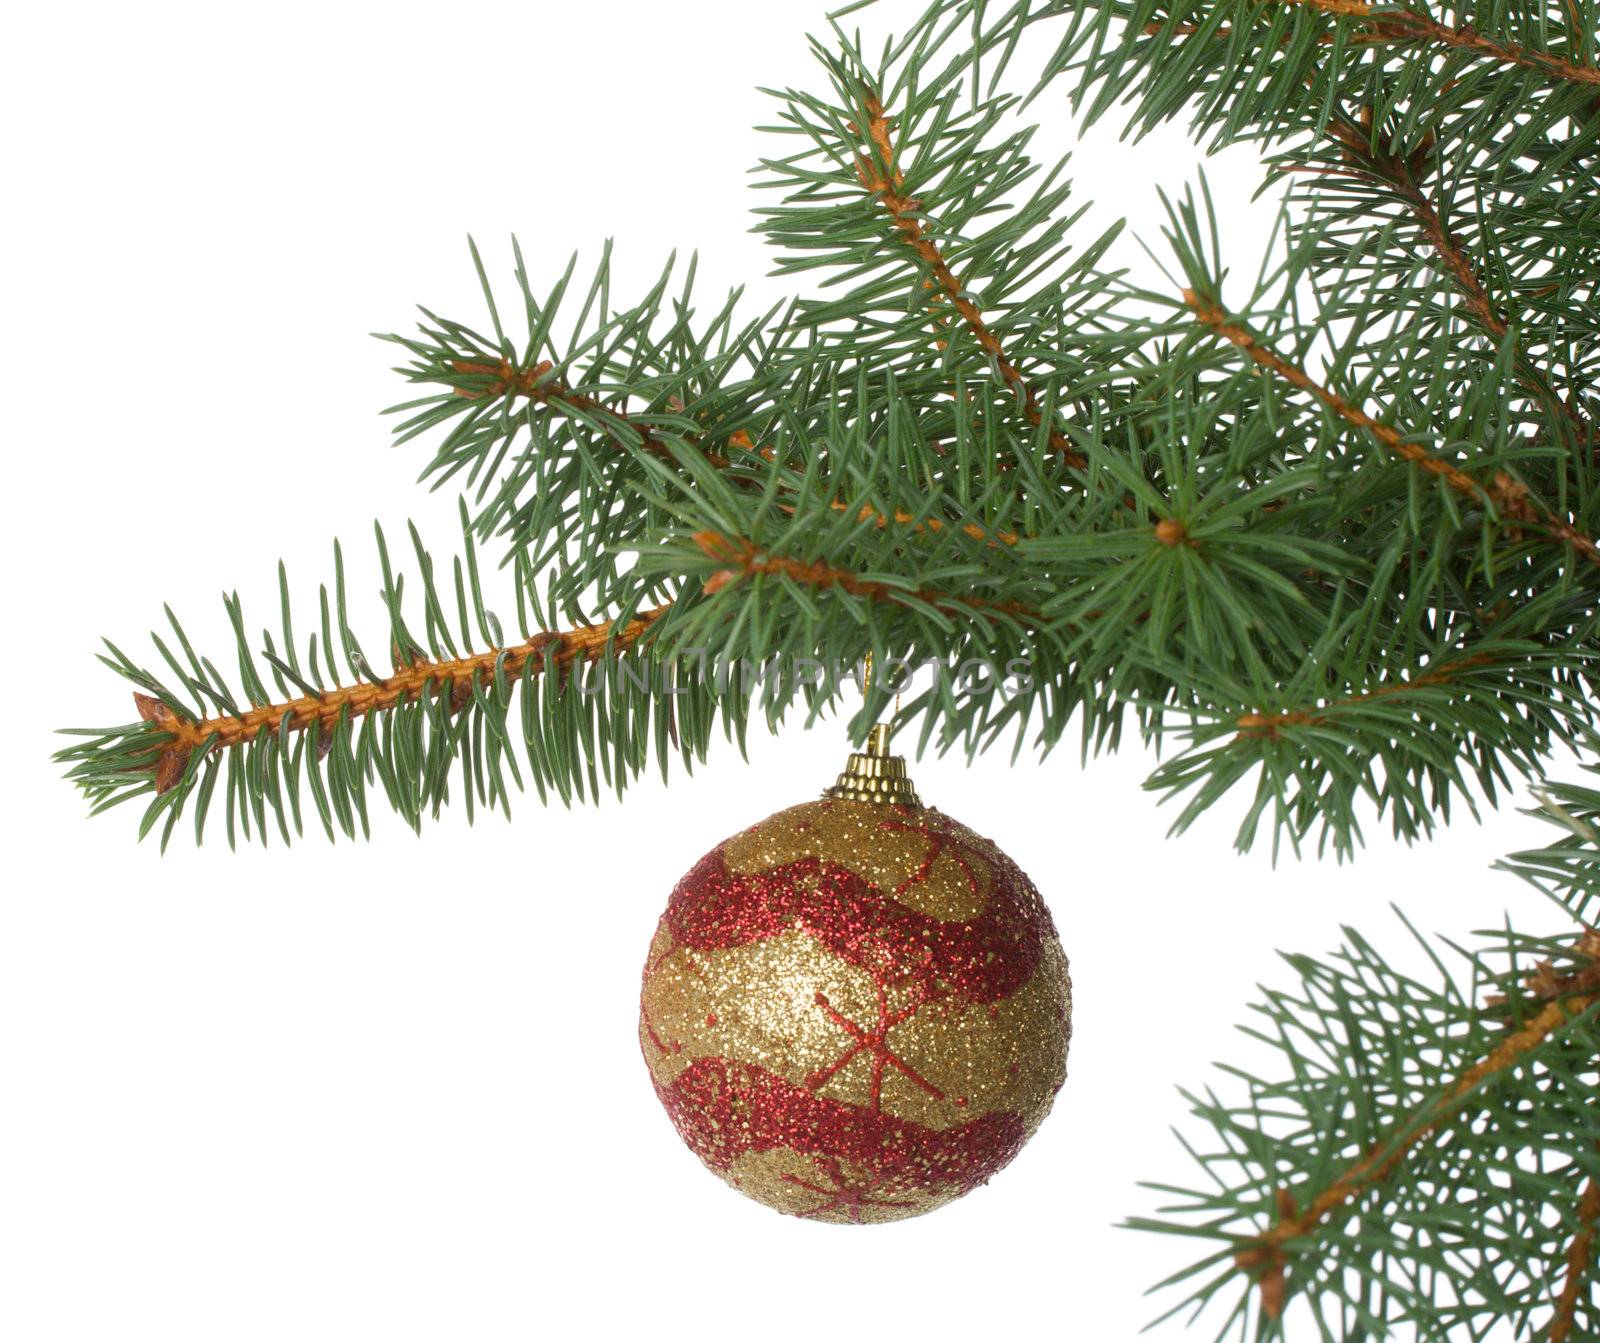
x=743 y=559
x=883 y=178
x=1270 y=725
x=1401 y=174
x=537 y=384
x=1507 y=495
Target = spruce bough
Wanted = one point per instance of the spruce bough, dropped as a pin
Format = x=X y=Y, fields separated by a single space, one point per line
x=1333 y=533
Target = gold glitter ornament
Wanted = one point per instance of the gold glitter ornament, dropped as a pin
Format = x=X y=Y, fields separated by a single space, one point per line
x=857 y=1010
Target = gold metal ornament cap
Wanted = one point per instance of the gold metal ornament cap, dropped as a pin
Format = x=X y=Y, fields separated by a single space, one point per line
x=874 y=775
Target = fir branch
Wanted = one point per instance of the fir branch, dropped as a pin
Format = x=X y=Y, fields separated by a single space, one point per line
x=453 y=681
x=1508 y=496
x=1211 y=315
x=565 y=480
x=551 y=425
x=918 y=482
x=594 y=702
x=1270 y=725
x=1269 y=1255
x=1399 y=173
x=880 y=174
x=537 y=384
x=1386 y=24
x=1420 y=1165
x=1410 y=752
x=1425 y=1157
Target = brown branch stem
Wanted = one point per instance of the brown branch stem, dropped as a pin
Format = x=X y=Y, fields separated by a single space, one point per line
x=746 y=560
x=1399 y=173
x=1507 y=495
x=1579 y=1260
x=537 y=384
x=1268 y=1252
x=1409 y=26
x=883 y=178
x=1406 y=25
x=420 y=680
x=1269 y=725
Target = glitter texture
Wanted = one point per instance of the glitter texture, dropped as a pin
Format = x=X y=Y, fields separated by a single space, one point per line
x=856 y=1012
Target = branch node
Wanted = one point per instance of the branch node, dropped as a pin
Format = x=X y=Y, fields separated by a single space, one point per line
x=1172 y=533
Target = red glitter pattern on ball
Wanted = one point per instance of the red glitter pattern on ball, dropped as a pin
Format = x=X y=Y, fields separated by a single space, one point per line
x=724 y=1109
x=979 y=960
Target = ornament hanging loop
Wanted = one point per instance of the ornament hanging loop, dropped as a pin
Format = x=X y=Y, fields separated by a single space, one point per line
x=874 y=775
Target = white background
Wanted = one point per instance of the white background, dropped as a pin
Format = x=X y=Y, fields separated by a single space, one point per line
x=392 y=1091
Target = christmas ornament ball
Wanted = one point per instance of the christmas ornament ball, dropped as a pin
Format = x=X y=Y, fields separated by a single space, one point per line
x=857 y=1010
